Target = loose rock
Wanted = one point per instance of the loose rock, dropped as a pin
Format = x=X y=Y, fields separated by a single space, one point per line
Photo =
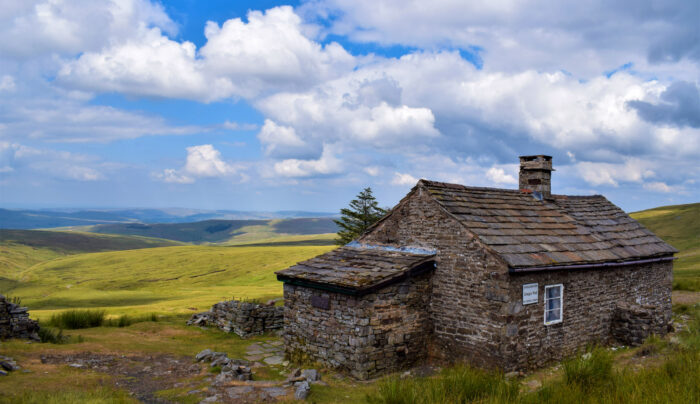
x=302 y=391
x=311 y=375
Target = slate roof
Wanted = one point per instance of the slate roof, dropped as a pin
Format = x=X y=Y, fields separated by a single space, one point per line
x=358 y=269
x=561 y=231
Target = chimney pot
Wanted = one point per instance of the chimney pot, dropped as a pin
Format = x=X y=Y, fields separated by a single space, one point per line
x=536 y=174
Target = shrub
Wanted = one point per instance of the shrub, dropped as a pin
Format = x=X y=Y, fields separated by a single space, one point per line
x=75 y=319
x=590 y=369
x=126 y=320
x=51 y=336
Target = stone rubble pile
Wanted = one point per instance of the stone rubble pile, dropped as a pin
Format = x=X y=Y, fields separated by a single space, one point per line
x=231 y=369
x=15 y=322
x=242 y=318
x=7 y=365
x=245 y=389
x=632 y=324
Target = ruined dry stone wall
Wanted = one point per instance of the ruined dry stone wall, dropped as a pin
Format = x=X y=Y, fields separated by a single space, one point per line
x=633 y=323
x=591 y=300
x=242 y=318
x=469 y=286
x=15 y=322
x=364 y=336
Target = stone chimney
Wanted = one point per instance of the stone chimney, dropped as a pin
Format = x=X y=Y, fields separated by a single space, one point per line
x=536 y=175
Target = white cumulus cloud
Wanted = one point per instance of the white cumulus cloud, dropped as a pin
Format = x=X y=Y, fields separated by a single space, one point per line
x=499 y=176
x=404 y=179
x=268 y=53
x=203 y=161
x=326 y=164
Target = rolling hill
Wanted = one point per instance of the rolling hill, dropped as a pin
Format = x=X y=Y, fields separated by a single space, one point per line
x=50 y=218
x=678 y=225
x=222 y=231
x=20 y=249
x=164 y=280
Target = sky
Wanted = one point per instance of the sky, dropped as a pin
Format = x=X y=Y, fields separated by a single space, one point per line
x=266 y=105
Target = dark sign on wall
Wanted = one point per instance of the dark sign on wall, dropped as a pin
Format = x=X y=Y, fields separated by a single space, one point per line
x=321 y=302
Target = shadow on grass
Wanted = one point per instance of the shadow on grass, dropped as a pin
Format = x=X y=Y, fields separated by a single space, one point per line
x=70 y=303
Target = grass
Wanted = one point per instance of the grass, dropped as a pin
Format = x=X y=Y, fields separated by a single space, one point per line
x=78 y=242
x=50 y=335
x=326 y=239
x=678 y=225
x=588 y=370
x=164 y=280
x=125 y=320
x=77 y=319
x=167 y=336
x=459 y=384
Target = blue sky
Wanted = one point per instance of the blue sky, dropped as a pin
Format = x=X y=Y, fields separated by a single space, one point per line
x=271 y=105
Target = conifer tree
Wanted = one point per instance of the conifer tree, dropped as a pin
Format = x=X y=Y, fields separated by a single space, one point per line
x=360 y=215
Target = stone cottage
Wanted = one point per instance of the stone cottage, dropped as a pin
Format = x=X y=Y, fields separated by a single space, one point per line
x=501 y=278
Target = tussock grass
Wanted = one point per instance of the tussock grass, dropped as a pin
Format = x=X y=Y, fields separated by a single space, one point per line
x=50 y=335
x=76 y=319
x=459 y=384
x=590 y=369
x=126 y=320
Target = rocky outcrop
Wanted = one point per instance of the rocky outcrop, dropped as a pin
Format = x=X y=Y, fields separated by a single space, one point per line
x=242 y=318
x=15 y=322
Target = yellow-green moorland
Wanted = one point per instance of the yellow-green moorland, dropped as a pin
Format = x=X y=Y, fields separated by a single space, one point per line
x=162 y=280
x=678 y=225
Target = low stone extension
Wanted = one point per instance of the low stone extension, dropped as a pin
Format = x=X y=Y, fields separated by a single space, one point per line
x=242 y=318
x=632 y=324
x=15 y=322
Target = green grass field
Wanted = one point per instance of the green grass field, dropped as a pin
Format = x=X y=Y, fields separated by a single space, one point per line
x=22 y=249
x=161 y=280
x=679 y=226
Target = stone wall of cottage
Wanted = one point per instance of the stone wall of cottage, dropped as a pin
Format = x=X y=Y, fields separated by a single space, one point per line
x=592 y=298
x=242 y=318
x=364 y=336
x=633 y=323
x=15 y=322
x=470 y=286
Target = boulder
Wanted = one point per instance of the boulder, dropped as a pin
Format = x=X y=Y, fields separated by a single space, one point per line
x=205 y=355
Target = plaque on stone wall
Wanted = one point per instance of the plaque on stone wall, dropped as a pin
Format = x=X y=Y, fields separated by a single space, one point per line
x=321 y=302
x=529 y=293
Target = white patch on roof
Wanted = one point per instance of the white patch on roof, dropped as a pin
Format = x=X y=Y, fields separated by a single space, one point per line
x=406 y=249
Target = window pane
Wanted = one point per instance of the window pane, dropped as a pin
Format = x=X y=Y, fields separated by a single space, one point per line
x=553 y=292
x=553 y=304
x=552 y=315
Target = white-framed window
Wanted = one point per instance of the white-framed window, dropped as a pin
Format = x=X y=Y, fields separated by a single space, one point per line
x=553 y=304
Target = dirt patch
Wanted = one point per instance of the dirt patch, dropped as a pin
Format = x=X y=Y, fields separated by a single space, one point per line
x=141 y=375
x=685 y=297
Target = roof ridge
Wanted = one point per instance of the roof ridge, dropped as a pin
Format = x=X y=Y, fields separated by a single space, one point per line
x=453 y=185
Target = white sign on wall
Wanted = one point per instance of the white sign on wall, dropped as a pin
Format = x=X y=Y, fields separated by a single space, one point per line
x=529 y=293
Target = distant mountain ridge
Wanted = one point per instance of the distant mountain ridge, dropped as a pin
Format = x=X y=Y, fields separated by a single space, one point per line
x=49 y=218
